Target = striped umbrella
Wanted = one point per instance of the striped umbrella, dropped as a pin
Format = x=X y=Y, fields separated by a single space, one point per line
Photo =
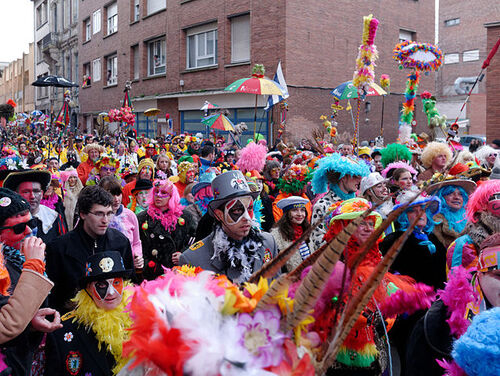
x=219 y=121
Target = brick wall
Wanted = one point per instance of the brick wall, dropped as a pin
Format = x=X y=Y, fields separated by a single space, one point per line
x=492 y=87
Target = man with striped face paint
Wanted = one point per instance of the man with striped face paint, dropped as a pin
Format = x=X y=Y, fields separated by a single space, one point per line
x=107 y=294
x=235 y=248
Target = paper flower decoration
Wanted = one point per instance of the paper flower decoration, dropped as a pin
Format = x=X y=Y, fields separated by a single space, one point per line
x=422 y=56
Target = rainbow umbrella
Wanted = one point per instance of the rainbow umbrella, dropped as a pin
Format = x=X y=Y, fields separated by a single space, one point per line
x=347 y=90
x=208 y=106
x=219 y=121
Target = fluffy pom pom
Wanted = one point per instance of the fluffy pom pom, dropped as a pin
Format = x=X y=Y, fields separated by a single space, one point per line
x=408 y=301
x=451 y=368
x=253 y=157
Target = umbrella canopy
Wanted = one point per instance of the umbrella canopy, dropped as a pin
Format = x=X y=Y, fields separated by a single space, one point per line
x=54 y=81
x=152 y=112
x=347 y=91
x=219 y=121
x=36 y=113
x=256 y=85
x=208 y=106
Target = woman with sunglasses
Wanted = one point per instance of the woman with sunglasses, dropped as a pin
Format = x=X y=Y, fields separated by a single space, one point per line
x=487 y=156
x=165 y=229
x=23 y=286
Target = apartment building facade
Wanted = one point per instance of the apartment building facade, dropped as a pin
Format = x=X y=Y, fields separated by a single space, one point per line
x=180 y=53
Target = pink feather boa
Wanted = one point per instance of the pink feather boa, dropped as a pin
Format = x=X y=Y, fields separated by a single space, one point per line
x=405 y=302
x=167 y=218
x=457 y=293
x=253 y=157
x=451 y=368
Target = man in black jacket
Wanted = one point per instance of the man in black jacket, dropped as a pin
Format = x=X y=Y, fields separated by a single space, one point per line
x=66 y=255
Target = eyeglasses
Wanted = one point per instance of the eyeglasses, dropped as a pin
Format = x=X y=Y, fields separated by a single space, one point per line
x=101 y=215
x=21 y=227
x=493 y=154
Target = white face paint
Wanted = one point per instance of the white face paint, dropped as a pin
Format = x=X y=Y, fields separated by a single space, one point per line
x=237 y=209
x=107 y=293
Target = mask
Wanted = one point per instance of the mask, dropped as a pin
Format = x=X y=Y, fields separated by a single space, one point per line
x=99 y=290
x=235 y=210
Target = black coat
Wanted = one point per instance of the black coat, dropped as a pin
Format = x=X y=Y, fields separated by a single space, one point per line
x=78 y=354
x=416 y=261
x=158 y=244
x=66 y=258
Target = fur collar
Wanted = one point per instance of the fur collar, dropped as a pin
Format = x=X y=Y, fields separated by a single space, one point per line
x=486 y=226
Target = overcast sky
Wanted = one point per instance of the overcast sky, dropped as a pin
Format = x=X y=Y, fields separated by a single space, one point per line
x=16 y=28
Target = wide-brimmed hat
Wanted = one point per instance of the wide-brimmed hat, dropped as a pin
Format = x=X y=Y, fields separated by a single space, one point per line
x=104 y=265
x=406 y=196
x=142 y=185
x=228 y=186
x=13 y=180
x=468 y=185
x=351 y=209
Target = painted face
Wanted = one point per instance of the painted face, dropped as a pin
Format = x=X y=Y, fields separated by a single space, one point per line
x=146 y=173
x=32 y=192
x=142 y=197
x=494 y=204
x=96 y=221
x=106 y=294
x=94 y=155
x=490 y=284
x=350 y=184
x=491 y=158
x=297 y=215
x=53 y=164
x=107 y=171
x=364 y=230
x=190 y=175
x=454 y=200
x=275 y=173
x=72 y=180
x=380 y=191
x=16 y=229
x=415 y=212
x=238 y=209
x=162 y=196
x=405 y=180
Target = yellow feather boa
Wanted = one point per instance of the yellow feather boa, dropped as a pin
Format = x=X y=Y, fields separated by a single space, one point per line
x=109 y=327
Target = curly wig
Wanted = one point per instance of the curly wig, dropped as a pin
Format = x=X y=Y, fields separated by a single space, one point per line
x=432 y=150
x=483 y=152
x=395 y=152
x=252 y=157
x=341 y=165
x=478 y=201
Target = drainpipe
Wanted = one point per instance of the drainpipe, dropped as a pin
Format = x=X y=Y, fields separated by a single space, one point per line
x=460 y=82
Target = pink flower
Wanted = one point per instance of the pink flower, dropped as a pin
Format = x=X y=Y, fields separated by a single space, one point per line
x=261 y=337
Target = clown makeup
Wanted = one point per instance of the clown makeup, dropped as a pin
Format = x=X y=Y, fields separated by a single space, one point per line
x=237 y=209
x=107 y=293
x=142 y=197
x=494 y=204
x=190 y=175
x=146 y=173
x=107 y=171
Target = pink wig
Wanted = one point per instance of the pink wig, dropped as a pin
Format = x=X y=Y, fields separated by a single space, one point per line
x=169 y=217
x=253 y=157
x=204 y=192
x=478 y=201
x=399 y=164
x=65 y=175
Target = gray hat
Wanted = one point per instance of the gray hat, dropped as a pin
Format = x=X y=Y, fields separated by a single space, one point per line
x=292 y=202
x=495 y=173
x=229 y=185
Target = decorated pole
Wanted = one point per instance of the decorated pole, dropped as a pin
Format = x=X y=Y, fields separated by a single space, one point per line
x=365 y=67
x=385 y=83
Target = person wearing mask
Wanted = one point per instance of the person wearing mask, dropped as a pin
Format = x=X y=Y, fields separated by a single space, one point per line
x=235 y=247
x=435 y=157
x=94 y=152
x=31 y=185
x=146 y=170
x=340 y=178
x=91 y=339
x=186 y=171
x=23 y=261
x=124 y=220
x=165 y=229
x=290 y=227
x=66 y=256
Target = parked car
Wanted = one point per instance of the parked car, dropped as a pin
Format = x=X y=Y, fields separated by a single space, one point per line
x=466 y=140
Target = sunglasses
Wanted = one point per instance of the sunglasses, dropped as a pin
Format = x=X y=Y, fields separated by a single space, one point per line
x=21 y=227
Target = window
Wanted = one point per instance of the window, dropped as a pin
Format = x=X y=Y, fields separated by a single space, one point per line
x=87 y=29
x=112 y=69
x=136 y=11
x=66 y=13
x=135 y=62
x=41 y=14
x=472 y=55
x=156 y=5
x=96 y=70
x=74 y=10
x=39 y=55
x=452 y=22
x=240 y=39
x=156 y=57
x=112 y=16
x=451 y=58
x=67 y=66
x=202 y=46
x=86 y=75
x=96 y=19
x=406 y=35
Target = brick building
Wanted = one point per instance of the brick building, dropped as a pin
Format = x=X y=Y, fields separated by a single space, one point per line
x=462 y=37
x=181 y=53
x=492 y=85
x=15 y=82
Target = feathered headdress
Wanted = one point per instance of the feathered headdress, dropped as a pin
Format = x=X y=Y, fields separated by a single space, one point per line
x=395 y=152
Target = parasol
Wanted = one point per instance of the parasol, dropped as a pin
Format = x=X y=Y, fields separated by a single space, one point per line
x=258 y=85
x=152 y=112
x=56 y=81
x=219 y=121
x=347 y=90
x=208 y=106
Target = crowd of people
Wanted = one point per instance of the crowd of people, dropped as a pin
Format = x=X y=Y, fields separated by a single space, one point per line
x=86 y=218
